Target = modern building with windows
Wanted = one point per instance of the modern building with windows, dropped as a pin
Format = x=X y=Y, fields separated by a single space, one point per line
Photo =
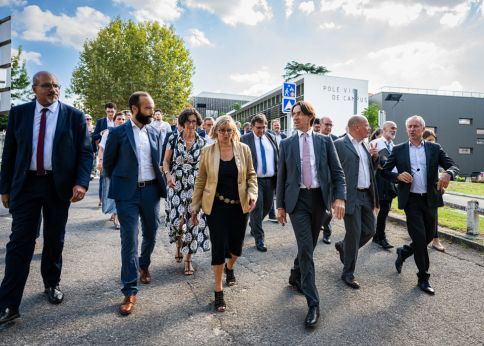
x=214 y=104
x=337 y=97
x=456 y=117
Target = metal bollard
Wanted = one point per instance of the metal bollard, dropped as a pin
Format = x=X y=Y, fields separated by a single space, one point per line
x=472 y=218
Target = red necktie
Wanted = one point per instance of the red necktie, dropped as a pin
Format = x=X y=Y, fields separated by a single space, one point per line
x=40 y=143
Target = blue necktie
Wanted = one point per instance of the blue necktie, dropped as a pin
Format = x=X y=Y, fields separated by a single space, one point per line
x=263 y=156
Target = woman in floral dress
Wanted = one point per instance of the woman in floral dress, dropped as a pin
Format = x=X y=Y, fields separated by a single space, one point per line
x=180 y=165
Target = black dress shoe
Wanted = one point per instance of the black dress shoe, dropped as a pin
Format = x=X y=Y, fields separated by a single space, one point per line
x=54 y=294
x=399 y=260
x=424 y=285
x=385 y=244
x=312 y=317
x=351 y=283
x=260 y=246
x=326 y=239
x=295 y=281
x=8 y=315
x=339 y=248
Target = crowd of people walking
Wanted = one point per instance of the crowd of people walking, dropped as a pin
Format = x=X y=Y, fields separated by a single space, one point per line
x=215 y=179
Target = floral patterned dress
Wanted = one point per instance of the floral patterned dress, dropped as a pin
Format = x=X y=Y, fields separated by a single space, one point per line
x=177 y=204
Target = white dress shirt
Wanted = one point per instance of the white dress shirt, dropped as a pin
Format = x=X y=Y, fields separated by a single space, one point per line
x=104 y=138
x=314 y=173
x=146 y=171
x=110 y=123
x=278 y=138
x=269 y=151
x=364 y=180
x=418 y=164
x=51 y=117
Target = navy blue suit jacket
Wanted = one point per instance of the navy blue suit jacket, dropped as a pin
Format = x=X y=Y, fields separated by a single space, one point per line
x=120 y=161
x=101 y=125
x=71 y=154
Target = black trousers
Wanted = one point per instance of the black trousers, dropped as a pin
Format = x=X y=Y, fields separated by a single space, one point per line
x=37 y=196
x=381 y=219
x=306 y=221
x=421 y=221
x=265 y=199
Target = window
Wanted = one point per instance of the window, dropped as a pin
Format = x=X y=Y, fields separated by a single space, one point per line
x=465 y=151
x=480 y=131
x=465 y=121
x=480 y=141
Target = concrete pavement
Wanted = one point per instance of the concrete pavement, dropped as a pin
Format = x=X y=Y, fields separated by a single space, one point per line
x=261 y=309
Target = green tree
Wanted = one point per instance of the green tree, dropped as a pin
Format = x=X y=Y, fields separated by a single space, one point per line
x=126 y=57
x=20 y=80
x=294 y=69
x=237 y=106
x=371 y=113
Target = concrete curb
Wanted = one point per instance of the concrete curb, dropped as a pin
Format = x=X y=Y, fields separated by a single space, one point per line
x=463 y=194
x=476 y=243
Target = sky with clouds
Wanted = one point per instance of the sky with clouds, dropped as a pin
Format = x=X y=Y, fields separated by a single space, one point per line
x=242 y=46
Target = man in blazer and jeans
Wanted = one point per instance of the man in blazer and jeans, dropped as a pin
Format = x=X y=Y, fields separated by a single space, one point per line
x=419 y=193
x=132 y=160
x=46 y=165
x=310 y=181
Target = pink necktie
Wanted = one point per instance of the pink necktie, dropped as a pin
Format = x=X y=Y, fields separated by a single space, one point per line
x=40 y=142
x=306 y=164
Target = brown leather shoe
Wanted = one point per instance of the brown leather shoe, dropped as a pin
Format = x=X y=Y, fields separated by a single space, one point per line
x=144 y=276
x=127 y=306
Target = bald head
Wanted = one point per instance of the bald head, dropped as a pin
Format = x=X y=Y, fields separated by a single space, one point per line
x=358 y=127
x=36 y=78
x=326 y=125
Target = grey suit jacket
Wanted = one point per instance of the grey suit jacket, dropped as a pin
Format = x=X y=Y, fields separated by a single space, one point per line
x=350 y=161
x=249 y=139
x=330 y=173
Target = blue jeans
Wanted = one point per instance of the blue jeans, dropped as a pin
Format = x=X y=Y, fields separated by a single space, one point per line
x=144 y=205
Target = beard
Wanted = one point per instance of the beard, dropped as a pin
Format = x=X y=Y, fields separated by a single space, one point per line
x=144 y=119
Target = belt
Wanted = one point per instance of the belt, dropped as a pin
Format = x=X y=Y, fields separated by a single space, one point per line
x=363 y=190
x=39 y=175
x=227 y=200
x=265 y=177
x=146 y=183
x=310 y=189
x=418 y=194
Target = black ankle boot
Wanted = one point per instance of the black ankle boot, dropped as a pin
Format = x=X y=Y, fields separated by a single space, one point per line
x=219 y=302
x=230 y=277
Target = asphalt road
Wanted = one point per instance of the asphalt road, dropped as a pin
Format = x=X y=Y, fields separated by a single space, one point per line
x=262 y=309
x=462 y=200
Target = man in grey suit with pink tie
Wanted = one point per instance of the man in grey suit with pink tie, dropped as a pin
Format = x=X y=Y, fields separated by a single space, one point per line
x=310 y=182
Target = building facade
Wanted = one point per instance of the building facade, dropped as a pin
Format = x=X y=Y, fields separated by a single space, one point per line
x=215 y=104
x=337 y=97
x=456 y=117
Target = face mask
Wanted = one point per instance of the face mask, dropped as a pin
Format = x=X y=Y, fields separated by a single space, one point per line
x=143 y=119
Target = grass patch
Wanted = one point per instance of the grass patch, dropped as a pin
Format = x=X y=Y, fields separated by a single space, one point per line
x=469 y=188
x=448 y=217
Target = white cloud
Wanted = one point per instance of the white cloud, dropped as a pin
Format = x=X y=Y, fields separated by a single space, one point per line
x=153 y=10
x=197 y=38
x=28 y=56
x=12 y=2
x=329 y=26
x=256 y=83
x=289 y=7
x=307 y=7
x=62 y=29
x=248 y=12
x=393 y=13
x=454 y=86
x=410 y=61
x=456 y=15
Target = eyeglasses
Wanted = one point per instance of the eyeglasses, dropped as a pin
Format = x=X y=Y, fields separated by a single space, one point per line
x=48 y=86
x=88 y=119
x=227 y=131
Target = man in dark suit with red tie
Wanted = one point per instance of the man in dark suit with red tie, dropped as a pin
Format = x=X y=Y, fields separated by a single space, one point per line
x=46 y=165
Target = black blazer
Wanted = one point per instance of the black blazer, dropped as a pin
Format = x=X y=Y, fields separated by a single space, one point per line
x=435 y=157
x=71 y=154
x=249 y=139
x=387 y=190
x=101 y=125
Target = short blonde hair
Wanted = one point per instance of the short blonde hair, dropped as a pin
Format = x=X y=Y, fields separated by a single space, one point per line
x=225 y=120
